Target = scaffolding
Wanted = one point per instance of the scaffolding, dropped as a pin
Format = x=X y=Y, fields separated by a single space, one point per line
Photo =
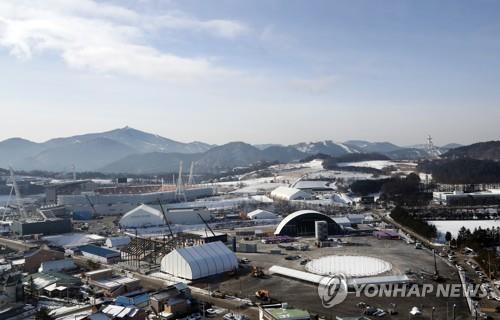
x=151 y=250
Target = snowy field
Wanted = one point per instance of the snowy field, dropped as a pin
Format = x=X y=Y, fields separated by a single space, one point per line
x=353 y=266
x=453 y=226
x=376 y=164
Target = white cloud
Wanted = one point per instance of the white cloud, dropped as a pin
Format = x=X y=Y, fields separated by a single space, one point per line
x=222 y=28
x=313 y=85
x=105 y=38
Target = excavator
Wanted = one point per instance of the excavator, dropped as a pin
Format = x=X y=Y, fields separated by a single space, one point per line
x=257 y=272
x=262 y=294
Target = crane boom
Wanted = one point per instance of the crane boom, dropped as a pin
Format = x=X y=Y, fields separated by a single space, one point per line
x=199 y=215
x=165 y=217
x=91 y=205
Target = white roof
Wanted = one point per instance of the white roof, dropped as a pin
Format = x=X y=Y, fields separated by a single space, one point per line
x=57 y=265
x=114 y=242
x=341 y=220
x=314 y=184
x=199 y=261
x=119 y=311
x=287 y=193
x=261 y=214
x=315 y=278
x=68 y=240
x=142 y=216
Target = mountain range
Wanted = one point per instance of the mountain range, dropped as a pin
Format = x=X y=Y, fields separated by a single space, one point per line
x=128 y=150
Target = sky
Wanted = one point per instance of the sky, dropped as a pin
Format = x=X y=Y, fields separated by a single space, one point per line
x=280 y=71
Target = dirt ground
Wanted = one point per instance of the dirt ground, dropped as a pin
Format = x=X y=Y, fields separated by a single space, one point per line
x=403 y=257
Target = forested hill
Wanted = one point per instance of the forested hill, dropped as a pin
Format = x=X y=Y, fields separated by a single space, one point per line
x=462 y=171
x=489 y=150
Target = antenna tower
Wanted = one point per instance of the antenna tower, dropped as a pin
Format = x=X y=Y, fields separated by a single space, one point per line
x=431 y=149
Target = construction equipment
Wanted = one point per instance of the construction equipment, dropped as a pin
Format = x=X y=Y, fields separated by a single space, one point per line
x=165 y=217
x=206 y=224
x=262 y=294
x=257 y=272
x=91 y=205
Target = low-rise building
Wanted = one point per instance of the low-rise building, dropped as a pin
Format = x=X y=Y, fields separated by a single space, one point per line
x=175 y=299
x=110 y=285
x=33 y=260
x=53 y=284
x=57 y=265
x=100 y=254
x=123 y=313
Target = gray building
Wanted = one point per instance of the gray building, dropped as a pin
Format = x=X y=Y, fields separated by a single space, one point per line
x=45 y=227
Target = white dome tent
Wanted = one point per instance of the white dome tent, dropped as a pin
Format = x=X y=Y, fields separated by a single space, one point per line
x=142 y=216
x=198 y=262
x=261 y=214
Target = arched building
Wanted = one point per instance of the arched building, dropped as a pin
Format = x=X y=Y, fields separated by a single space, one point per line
x=301 y=223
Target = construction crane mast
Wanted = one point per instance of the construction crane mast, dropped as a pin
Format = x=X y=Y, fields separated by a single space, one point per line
x=191 y=171
x=180 y=193
x=20 y=206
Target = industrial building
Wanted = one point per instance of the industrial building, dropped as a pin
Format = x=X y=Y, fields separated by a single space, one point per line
x=141 y=217
x=198 y=262
x=45 y=227
x=342 y=221
x=100 y=254
x=117 y=242
x=188 y=216
x=289 y=194
x=73 y=187
x=458 y=198
x=118 y=200
x=261 y=214
x=147 y=216
x=302 y=223
x=318 y=186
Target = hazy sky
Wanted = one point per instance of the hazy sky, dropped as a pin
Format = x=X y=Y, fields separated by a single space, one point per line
x=258 y=71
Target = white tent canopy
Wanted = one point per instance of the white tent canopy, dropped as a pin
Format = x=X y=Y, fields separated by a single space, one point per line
x=261 y=214
x=142 y=216
x=199 y=261
x=286 y=193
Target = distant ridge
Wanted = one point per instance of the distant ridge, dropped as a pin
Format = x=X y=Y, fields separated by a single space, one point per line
x=128 y=150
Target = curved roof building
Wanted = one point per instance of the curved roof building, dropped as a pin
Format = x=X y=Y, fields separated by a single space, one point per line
x=301 y=223
x=142 y=216
x=199 y=261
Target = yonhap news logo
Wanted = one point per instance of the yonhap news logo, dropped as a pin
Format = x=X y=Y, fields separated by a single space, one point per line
x=332 y=290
